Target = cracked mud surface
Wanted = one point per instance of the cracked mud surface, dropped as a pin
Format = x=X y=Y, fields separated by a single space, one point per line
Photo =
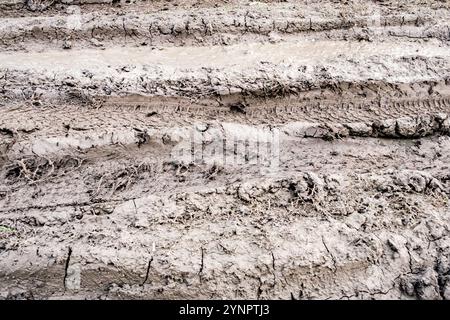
x=105 y=106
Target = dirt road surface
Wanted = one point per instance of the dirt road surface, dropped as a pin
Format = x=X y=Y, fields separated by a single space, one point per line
x=224 y=149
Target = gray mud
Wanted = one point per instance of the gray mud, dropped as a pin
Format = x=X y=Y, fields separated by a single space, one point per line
x=227 y=149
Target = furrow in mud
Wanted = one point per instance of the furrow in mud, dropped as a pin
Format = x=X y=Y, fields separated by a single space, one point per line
x=184 y=162
x=78 y=136
x=170 y=112
x=211 y=27
x=298 y=68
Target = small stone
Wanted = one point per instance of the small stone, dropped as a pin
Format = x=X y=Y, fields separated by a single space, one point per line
x=67 y=45
x=201 y=127
x=96 y=42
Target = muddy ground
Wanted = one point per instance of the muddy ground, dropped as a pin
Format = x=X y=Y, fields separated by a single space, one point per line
x=224 y=149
